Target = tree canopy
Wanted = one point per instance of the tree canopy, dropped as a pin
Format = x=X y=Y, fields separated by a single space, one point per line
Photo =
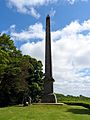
x=20 y=75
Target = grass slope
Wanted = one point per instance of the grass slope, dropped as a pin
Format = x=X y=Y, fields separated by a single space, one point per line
x=45 y=112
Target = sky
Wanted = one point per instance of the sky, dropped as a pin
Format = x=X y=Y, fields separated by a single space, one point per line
x=25 y=21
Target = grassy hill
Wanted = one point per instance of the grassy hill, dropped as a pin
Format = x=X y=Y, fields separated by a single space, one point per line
x=45 y=112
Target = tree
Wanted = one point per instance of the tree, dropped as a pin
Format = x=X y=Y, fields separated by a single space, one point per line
x=35 y=80
x=34 y=77
x=20 y=75
x=9 y=70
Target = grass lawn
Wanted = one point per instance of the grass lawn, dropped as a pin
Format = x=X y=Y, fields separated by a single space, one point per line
x=45 y=112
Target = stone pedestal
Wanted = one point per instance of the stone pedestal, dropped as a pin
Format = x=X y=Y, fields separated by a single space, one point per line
x=49 y=98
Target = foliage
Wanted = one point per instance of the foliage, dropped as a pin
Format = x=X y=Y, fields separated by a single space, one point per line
x=61 y=98
x=20 y=75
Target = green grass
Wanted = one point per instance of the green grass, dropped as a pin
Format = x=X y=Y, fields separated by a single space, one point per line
x=78 y=103
x=45 y=112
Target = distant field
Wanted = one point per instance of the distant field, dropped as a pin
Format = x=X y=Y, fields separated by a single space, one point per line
x=45 y=112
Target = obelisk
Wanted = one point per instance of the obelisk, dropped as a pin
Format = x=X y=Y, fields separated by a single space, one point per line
x=48 y=95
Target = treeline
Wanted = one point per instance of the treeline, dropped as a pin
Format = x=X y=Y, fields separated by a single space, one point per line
x=70 y=98
x=74 y=100
x=20 y=75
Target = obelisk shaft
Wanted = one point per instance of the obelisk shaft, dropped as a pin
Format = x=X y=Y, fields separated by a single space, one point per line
x=48 y=96
x=48 y=60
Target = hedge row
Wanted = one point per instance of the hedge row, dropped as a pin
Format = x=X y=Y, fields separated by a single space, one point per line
x=84 y=104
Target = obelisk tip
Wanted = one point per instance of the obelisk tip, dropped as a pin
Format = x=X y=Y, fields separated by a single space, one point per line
x=48 y=16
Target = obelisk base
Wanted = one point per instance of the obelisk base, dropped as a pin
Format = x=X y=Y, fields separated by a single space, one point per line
x=49 y=98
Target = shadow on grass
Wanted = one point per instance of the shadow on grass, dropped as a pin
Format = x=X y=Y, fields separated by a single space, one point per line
x=79 y=111
x=18 y=106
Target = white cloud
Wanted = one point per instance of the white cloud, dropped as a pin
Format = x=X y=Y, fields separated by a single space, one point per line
x=52 y=12
x=70 y=51
x=34 y=13
x=73 y=1
x=33 y=31
x=29 y=6
x=34 y=49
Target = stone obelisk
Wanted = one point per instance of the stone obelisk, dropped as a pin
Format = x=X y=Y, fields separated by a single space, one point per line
x=48 y=96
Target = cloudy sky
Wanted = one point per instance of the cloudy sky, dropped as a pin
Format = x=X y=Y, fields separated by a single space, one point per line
x=24 y=20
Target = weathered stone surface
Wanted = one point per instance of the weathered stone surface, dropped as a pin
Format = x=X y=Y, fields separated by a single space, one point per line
x=48 y=60
x=49 y=96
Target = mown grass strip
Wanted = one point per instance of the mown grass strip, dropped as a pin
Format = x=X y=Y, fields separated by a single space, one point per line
x=84 y=104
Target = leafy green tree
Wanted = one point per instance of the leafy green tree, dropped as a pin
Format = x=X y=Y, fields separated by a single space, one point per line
x=20 y=75
x=34 y=79
x=9 y=70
